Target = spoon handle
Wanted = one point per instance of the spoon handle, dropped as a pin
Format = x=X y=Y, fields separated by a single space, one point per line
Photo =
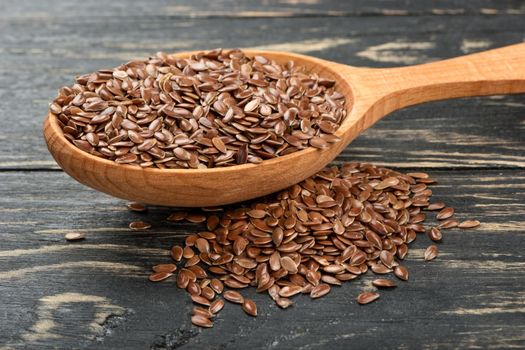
x=498 y=71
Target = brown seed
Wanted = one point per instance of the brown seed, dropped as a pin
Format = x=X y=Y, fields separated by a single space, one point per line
x=217 y=286
x=217 y=142
x=139 y=225
x=74 y=236
x=288 y=291
x=216 y=306
x=136 y=206
x=320 y=290
x=383 y=283
x=418 y=175
x=196 y=218
x=367 y=297
x=233 y=296
x=208 y=293
x=401 y=272
x=284 y=303
x=445 y=213
x=436 y=206
x=449 y=223
x=164 y=268
x=200 y=300
x=197 y=310
x=249 y=307
x=176 y=253
x=435 y=234
x=431 y=252
x=469 y=224
x=288 y=264
x=201 y=321
x=159 y=276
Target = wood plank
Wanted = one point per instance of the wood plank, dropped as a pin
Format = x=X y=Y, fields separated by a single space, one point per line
x=257 y=8
x=483 y=132
x=94 y=293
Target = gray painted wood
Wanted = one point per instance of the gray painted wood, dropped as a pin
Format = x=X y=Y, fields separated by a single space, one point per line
x=95 y=293
x=471 y=295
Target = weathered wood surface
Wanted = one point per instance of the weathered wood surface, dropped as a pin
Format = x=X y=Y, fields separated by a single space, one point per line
x=95 y=294
x=483 y=132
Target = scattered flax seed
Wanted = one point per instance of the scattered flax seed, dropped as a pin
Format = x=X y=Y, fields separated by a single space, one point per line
x=201 y=321
x=469 y=224
x=136 y=206
x=384 y=283
x=139 y=225
x=431 y=252
x=159 y=276
x=74 y=236
x=216 y=306
x=249 y=307
x=164 y=268
x=436 y=206
x=445 y=213
x=367 y=297
x=449 y=223
x=435 y=234
x=401 y=272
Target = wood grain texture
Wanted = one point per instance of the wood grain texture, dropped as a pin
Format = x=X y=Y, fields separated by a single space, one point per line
x=258 y=9
x=95 y=293
x=33 y=70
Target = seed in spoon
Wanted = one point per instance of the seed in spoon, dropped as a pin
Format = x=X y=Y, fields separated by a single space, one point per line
x=74 y=236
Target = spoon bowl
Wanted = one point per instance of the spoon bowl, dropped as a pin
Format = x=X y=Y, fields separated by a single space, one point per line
x=370 y=94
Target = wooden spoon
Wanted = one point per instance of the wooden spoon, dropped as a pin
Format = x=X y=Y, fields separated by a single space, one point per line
x=370 y=94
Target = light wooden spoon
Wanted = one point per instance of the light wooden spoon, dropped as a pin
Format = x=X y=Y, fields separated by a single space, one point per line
x=370 y=94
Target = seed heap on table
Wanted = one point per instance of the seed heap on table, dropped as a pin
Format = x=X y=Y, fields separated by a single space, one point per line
x=326 y=230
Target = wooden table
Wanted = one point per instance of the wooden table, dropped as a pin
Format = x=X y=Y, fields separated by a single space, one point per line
x=95 y=294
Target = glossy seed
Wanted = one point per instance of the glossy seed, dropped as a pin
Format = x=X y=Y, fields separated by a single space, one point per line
x=164 y=268
x=367 y=297
x=445 y=213
x=216 y=306
x=233 y=296
x=136 y=206
x=320 y=290
x=201 y=321
x=435 y=234
x=383 y=283
x=159 y=276
x=249 y=307
x=139 y=225
x=176 y=253
x=469 y=224
x=401 y=272
x=74 y=236
x=431 y=252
